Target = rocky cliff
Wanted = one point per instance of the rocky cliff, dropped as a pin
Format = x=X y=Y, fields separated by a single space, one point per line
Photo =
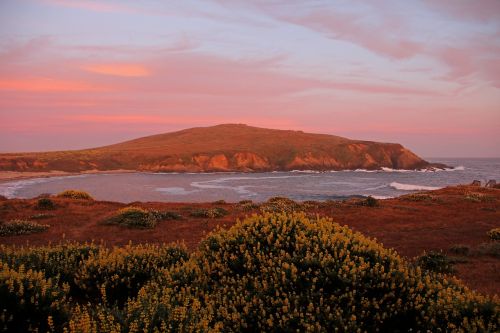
x=231 y=147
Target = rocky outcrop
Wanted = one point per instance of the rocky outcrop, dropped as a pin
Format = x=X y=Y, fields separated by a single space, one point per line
x=225 y=148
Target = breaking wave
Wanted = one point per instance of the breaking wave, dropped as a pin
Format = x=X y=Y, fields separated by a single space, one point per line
x=412 y=187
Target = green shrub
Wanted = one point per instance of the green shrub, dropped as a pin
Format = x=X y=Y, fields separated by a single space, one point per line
x=460 y=249
x=45 y=203
x=435 y=262
x=41 y=216
x=120 y=273
x=279 y=205
x=368 y=202
x=166 y=215
x=75 y=194
x=494 y=234
x=30 y=302
x=209 y=213
x=219 y=202
x=134 y=217
x=21 y=227
x=286 y=273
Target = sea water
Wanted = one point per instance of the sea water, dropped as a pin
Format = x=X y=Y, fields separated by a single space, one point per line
x=232 y=187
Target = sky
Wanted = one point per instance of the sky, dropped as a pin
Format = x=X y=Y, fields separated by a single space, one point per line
x=78 y=74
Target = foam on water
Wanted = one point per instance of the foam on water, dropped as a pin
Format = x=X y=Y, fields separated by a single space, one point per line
x=412 y=187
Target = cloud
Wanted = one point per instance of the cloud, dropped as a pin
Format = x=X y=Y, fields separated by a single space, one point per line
x=126 y=70
x=36 y=84
x=479 y=11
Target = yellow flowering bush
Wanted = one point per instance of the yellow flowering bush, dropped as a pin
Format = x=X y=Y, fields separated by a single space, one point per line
x=75 y=194
x=120 y=272
x=279 y=272
x=29 y=302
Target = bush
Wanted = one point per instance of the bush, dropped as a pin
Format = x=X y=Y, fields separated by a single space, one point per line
x=369 y=202
x=460 y=250
x=45 y=203
x=30 y=302
x=286 y=273
x=75 y=194
x=62 y=260
x=211 y=213
x=490 y=249
x=435 y=262
x=417 y=197
x=134 y=217
x=166 y=215
x=279 y=205
x=120 y=273
x=41 y=216
x=494 y=234
x=219 y=202
x=21 y=227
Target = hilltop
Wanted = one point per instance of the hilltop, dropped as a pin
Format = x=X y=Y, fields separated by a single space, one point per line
x=227 y=147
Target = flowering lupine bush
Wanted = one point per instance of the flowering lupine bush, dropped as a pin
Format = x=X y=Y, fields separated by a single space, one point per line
x=134 y=217
x=29 y=302
x=120 y=272
x=281 y=272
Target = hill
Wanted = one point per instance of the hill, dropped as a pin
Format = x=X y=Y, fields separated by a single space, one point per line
x=228 y=147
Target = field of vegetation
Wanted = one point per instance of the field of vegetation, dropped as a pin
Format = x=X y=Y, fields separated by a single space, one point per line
x=273 y=272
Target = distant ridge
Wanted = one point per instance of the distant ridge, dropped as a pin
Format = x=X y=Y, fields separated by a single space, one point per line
x=226 y=147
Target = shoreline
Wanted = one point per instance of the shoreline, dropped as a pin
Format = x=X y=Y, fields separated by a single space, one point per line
x=8 y=176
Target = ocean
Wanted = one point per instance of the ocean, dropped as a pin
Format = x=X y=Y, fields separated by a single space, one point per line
x=232 y=187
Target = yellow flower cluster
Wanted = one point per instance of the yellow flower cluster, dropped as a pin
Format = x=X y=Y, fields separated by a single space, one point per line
x=28 y=300
x=494 y=234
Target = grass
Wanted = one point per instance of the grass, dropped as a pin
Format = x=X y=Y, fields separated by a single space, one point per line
x=21 y=227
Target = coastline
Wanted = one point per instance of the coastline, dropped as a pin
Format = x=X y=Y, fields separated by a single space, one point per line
x=7 y=176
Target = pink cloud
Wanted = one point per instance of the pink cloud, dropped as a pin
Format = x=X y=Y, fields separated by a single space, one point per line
x=126 y=70
x=37 y=84
x=96 y=6
x=488 y=10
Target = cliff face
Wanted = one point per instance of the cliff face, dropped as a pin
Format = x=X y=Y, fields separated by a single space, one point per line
x=224 y=148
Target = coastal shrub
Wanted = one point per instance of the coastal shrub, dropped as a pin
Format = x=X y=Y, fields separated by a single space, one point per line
x=460 y=249
x=41 y=216
x=219 y=202
x=134 y=217
x=279 y=205
x=417 y=197
x=21 y=227
x=286 y=273
x=45 y=203
x=75 y=194
x=29 y=302
x=494 y=234
x=247 y=205
x=209 y=213
x=119 y=273
x=435 y=262
x=166 y=215
x=478 y=197
x=369 y=201
x=62 y=260
x=490 y=249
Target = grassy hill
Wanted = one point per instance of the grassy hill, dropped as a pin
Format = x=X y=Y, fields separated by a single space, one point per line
x=228 y=147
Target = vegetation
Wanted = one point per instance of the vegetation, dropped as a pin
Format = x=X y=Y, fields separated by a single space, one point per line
x=272 y=272
x=75 y=194
x=436 y=262
x=494 y=234
x=21 y=227
x=278 y=205
x=460 y=249
x=211 y=213
x=45 y=204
